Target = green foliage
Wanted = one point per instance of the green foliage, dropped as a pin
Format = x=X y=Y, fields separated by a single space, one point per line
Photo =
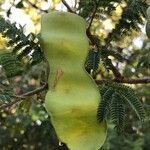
x=138 y=62
x=130 y=19
x=107 y=52
x=114 y=98
x=132 y=99
x=86 y=7
x=5 y=96
x=92 y=61
x=11 y=64
x=144 y=60
x=117 y=111
x=94 y=57
x=104 y=106
x=132 y=16
x=25 y=47
x=22 y=132
x=20 y=4
x=136 y=137
x=121 y=142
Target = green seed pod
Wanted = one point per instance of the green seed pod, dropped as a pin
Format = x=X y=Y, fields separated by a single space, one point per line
x=148 y=13
x=73 y=97
x=148 y=29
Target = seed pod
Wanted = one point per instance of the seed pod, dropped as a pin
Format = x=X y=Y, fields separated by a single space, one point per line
x=148 y=13
x=148 y=29
x=73 y=97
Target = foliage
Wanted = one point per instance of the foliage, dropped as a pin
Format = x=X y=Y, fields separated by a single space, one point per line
x=11 y=64
x=20 y=129
x=136 y=136
x=25 y=48
x=144 y=61
x=5 y=96
x=86 y=7
x=92 y=61
x=131 y=16
x=114 y=97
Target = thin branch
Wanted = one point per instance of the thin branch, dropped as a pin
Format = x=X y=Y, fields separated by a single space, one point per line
x=34 y=6
x=22 y=97
x=4 y=106
x=68 y=7
x=36 y=91
x=115 y=71
x=75 y=5
x=144 y=80
x=93 y=15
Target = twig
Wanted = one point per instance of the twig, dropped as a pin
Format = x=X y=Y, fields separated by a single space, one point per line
x=144 y=80
x=115 y=71
x=36 y=91
x=20 y=98
x=34 y=6
x=75 y=3
x=93 y=15
x=68 y=7
x=4 y=106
